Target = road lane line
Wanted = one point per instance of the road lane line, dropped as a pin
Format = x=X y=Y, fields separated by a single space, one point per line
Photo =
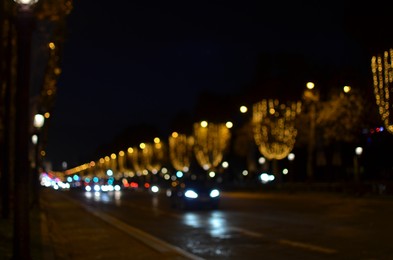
x=247 y=232
x=307 y=246
x=151 y=241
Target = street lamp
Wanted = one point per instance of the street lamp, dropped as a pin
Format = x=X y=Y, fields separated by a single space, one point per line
x=24 y=23
x=38 y=123
x=311 y=97
x=356 y=169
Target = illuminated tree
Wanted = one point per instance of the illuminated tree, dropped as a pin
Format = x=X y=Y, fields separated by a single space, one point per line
x=153 y=155
x=339 y=118
x=134 y=155
x=211 y=142
x=274 y=128
x=180 y=151
x=382 y=78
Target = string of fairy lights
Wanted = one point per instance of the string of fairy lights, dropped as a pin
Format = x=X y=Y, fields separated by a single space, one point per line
x=274 y=127
x=180 y=151
x=382 y=79
x=209 y=143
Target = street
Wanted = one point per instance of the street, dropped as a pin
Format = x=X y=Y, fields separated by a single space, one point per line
x=249 y=225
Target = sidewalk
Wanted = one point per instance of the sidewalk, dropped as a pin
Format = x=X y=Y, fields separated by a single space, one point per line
x=64 y=229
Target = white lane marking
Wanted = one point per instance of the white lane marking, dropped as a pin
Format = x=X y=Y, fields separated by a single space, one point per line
x=247 y=232
x=307 y=246
x=161 y=244
x=151 y=241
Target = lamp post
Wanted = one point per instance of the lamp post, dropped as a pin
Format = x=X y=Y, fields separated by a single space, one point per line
x=311 y=97
x=356 y=167
x=38 y=124
x=291 y=159
x=24 y=23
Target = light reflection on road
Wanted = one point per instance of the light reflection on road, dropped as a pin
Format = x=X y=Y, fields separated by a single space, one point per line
x=214 y=222
x=106 y=197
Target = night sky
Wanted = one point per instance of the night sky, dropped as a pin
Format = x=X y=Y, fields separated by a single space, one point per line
x=127 y=62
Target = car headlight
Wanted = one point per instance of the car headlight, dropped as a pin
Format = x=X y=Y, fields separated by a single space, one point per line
x=191 y=194
x=214 y=193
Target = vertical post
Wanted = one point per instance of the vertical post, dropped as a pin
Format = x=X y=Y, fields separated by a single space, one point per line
x=311 y=144
x=8 y=119
x=21 y=245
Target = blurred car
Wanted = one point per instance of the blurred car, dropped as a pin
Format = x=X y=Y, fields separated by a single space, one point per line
x=194 y=194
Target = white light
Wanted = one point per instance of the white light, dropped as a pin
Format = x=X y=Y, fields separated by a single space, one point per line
x=191 y=194
x=179 y=174
x=214 y=193
x=34 y=139
x=291 y=156
x=26 y=2
x=212 y=174
x=359 y=150
x=245 y=173
x=154 y=188
x=38 y=121
x=261 y=160
x=87 y=188
x=266 y=177
x=97 y=187
x=285 y=171
x=225 y=164
x=109 y=172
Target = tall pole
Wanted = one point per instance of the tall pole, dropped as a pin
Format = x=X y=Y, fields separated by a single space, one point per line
x=24 y=26
x=311 y=144
x=6 y=56
x=311 y=97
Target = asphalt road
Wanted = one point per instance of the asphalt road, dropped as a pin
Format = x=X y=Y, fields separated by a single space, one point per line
x=259 y=225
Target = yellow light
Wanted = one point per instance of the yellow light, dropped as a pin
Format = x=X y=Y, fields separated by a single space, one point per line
x=310 y=85
x=275 y=133
x=142 y=145
x=107 y=159
x=130 y=150
x=113 y=156
x=383 y=82
x=47 y=115
x=204 y=123
x=121 y=153
x=229 y=124
x=57 y=71
x=243 y=109
x=346 y=89
x=52 y=46
x=157 y=140
x=180 y=151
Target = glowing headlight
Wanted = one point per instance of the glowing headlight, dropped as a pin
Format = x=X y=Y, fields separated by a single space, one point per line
x=191 y=194
x=154 y=188
x=214 y=193
x=97 y=187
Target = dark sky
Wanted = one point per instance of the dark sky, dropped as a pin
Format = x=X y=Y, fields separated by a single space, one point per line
x=127 y=62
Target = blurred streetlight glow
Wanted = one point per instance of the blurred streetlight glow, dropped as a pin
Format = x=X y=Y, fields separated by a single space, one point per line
x=346 y=89
x=310 y=85
x=243 y=109
x=38 y=121
x=358 y=150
